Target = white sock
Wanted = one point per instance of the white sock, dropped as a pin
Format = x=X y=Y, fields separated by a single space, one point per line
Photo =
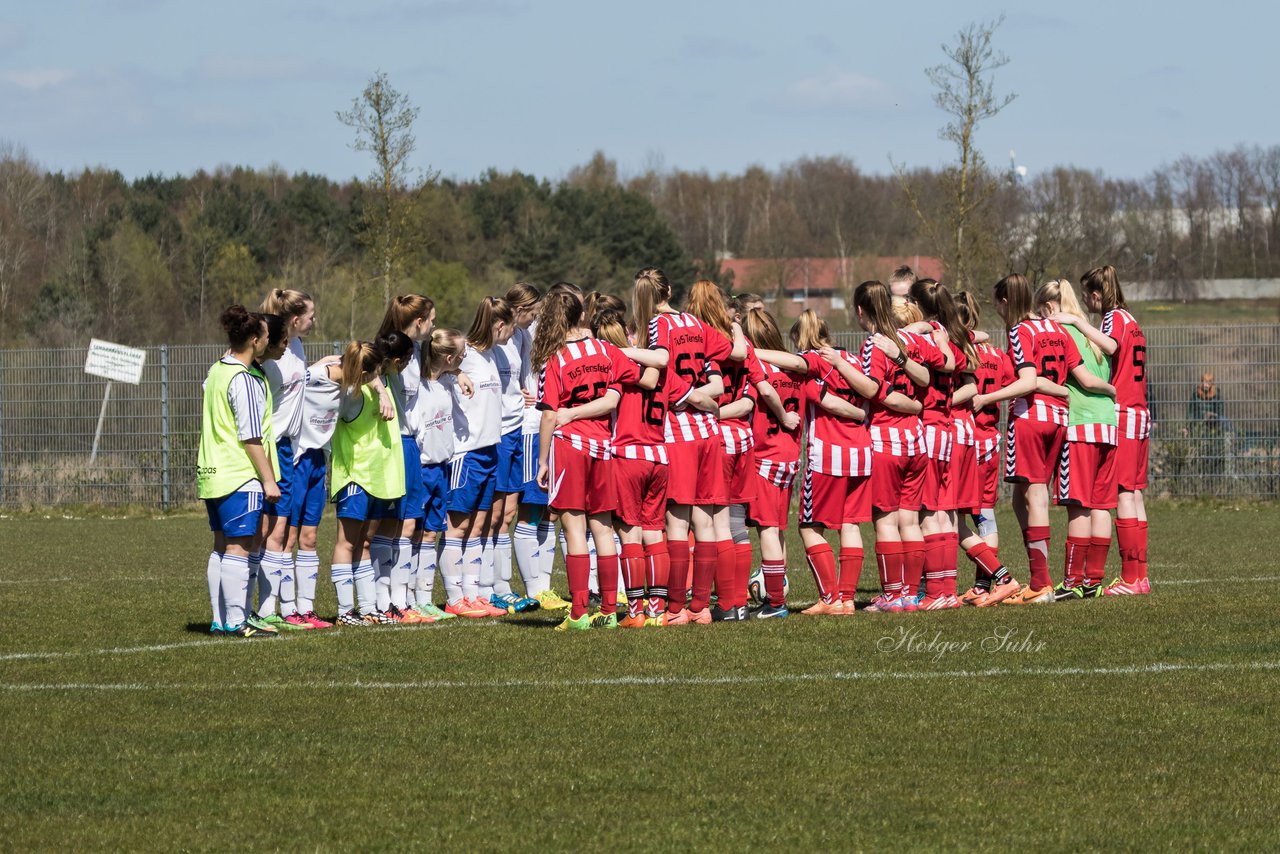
x=401 y=569
x=234 y=577
x=308 y=573
x=426 y=583
x=382 y=555
x=502 y=564
x=256 y=581
x=593 y=583
x=415 y=550
x=273 y=571
x=547 y=552
x=366 y=586
x=214 y=573
x=472 y=566
x=486 y=568
x=288 y=588
x=525 y=546
x=342 y=585
x=451 y=569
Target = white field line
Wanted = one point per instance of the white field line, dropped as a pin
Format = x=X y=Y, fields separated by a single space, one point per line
x=659 y=681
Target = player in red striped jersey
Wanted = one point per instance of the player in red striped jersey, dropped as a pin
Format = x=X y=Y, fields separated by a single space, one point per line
x=1039 y=348
x=777 y=446
x=696 y=497
x=993 y=370
x=576 y=369
x=1121 y=338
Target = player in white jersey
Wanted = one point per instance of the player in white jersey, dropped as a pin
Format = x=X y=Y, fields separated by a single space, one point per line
x=477 y=430
x=513 y=372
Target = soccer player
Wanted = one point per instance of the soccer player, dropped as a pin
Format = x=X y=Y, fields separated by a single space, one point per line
x=236 y=468
x=1086 y=481
x=366 y=475
x=1121 y=338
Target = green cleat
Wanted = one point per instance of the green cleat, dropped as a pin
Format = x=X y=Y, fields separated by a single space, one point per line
x=604 y=621
x=548 y=600
x=581 y=624
x=261 y=625
x=432 y=611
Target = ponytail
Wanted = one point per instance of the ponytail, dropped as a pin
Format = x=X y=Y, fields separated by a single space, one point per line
x=403 y=311
x=287 y=303
x=490 y=311
x=810 y=332
x=561 y=313
x=873 y=300
x=359 y=358
x=936 y=302
x=706 y=302
x=651 y=290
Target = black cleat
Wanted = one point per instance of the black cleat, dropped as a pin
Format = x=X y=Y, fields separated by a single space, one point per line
x=769 y=612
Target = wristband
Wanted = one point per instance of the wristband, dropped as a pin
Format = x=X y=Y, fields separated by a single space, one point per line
x=901 y=361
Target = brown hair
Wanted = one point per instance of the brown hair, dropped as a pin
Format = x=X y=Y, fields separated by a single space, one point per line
x=241 y=325
x=609 y=324
x=286 y=303
x=488 y=312
x=902 y=274
x=706 y=302
x=596 y=302
x=403 y=311
x=561 y=313
x=762 y=330
x=1016 y=291
x=652 y=288
x=359 y=358
x=444 y=344
x=810 y=332
x=936 y=302
x=872 y=298
x=1106 y=281
x=522 y=295
x=968 y=308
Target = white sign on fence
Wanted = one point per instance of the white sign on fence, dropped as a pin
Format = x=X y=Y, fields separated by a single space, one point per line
x=115 y=362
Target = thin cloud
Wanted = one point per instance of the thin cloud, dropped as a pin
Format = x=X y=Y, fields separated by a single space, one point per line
x=835 y=90
x=36 y=79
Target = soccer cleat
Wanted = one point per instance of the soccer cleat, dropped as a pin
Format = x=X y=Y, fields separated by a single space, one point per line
x=1091 y=591
x=1120 y=587
x=604 y=621
x=934 y=603
x=274 y=620
x=465 y=608
x=1000 y=592
x=680 y=618
x=1144 y=585
x=903 y=604
x=316 y=622
x=522 y=604
x=725 y=615
x=1065 y=592
x=256 y=622
x=432 y=612
x=549 y=600
x=637 y=622
x=296 y=622
x=505 y=601
x=351 y=618
x=244 y=630
x=494 y=610
x=974 y=595
x=377 y=618
x=823 y=609
x=770 y=612
x=700 y=618
x=409 y=617
x=880 y=604
x=1029 y=596
x=581 y=624
x=216 y=628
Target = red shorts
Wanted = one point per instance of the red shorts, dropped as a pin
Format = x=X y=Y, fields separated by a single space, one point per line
x=740 y=476
x=641 y=487
x=833 y=500
x=989 y=474
x=896 y=482
x=937 y=493
x=697 y=471
x=1087 y=476
x=1031 y=450
x=770 y=505
x=1131 y=464
x=579 y=481
x=966 y=480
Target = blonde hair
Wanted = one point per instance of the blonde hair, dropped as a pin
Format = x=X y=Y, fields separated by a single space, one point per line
x=1061 y=292
x=652 y=288
x=810 y=332
x=403 y=311
x=490 y=311
x=444 y=344
x=706 y=302
x=762 y=330
x=905 y=312
x=287 y=303
x=1015 y=290
x=359 y=358
x=609 y=324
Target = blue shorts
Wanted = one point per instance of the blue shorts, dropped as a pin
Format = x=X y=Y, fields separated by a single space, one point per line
x=530 y=492
x=284 y=454
x=235 y=515
x=510 y=475
x=354 y=503
x=409 y=506
x=435 y=483
x=307 y=488
x=471 y=480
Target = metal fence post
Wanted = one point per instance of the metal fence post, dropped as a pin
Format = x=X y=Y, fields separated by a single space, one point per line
x=164 y=427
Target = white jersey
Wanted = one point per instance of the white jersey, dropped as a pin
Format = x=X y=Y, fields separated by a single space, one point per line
x=288 y=378
x=433 y=418
x=532 y=418
x=511 y=369
x=397 y=384
x=319 y=411
x=248 y=399
x=477 y=420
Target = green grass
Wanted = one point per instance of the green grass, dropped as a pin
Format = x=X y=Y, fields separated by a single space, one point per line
x=502 y=734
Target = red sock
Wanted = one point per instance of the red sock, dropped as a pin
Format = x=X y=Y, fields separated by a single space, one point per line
x=1129 y=538
x=742 y=558
x=725 y=573
x=578 y=569
x=607 y=572
x=678 y=552
x=889 y=560
x=822 y=561
x=985 y=560
x=850 y=569
x=1095 y=563
x=1036 y=539
x=1142 y=554
x=633 y=577
x=935 y=561
x=705 y=563
x=657 y=570
x=913 y=558
x=951 y=566
x=775 y=581
x=1077 y=555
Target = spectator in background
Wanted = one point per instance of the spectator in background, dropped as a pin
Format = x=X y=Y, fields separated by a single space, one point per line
x=1205 y=407
x=901 y=281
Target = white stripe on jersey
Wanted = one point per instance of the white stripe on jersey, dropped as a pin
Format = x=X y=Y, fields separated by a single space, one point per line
x=1135 y=423
x=737 y=440
x=781 y=475
x=652 y=453
x=937 y=443
x=1094 y=434
x=248 y=397
x=836 y=460
x=592 y=447
x=897 y=442
x=964 y=434
x=1039 y=411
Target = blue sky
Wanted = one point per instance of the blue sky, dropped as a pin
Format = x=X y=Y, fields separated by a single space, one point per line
x=155 y=86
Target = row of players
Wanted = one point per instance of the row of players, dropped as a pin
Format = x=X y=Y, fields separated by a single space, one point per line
x=673 y=441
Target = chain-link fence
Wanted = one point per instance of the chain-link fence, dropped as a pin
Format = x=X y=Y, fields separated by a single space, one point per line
x=1224 y=444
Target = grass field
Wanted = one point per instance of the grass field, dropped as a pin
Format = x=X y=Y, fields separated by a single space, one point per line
x=1129 y=723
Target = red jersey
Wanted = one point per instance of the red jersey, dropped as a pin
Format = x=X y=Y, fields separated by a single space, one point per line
x=778 y=449
x=993 y=372
x=898 y=434
x=1045 y=346
x=692 y=347
x=837 y=446
x=740 y=379
x=1129 y=373
x=580 y=372
x=641 y=414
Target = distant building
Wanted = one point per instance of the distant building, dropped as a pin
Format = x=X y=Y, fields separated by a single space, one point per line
x=822 y=284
